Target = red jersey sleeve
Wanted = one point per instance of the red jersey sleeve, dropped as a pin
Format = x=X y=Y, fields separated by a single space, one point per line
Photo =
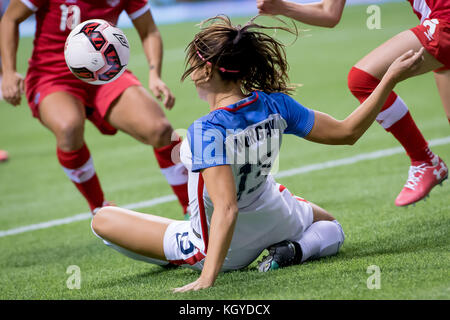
x=136 y=8
x=34 y=5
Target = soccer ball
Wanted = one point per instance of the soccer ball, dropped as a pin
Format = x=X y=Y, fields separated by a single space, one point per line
x=97 y=52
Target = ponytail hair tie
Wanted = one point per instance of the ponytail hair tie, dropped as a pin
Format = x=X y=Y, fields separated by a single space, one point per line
x=238 y=36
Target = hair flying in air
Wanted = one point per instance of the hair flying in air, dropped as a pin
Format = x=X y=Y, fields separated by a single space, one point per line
x=242 y=54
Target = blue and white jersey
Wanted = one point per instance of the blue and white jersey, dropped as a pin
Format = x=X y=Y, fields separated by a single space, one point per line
x=247 y=136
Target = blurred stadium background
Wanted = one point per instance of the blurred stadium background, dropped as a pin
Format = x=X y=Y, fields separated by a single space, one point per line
x=176 y=11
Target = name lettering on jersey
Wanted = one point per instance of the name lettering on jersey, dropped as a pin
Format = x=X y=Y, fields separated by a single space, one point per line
x=257 y=144
x=259 y=133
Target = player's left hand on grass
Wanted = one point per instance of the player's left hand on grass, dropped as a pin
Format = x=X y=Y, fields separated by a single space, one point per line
x=162 y=93
x=198 y=284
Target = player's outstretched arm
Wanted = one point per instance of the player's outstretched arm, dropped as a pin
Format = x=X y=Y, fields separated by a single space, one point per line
x=326 y=13
x=328 y=130
x=223 y=197
x=12 y=83
x=153 y=48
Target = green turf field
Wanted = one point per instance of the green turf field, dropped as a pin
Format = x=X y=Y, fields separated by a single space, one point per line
x=410 y=246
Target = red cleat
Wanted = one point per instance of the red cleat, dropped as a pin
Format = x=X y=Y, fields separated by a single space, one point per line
x=422 y=178
x=3 y=155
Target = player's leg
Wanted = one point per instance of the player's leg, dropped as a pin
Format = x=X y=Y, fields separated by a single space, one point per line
x=138 y=114
x=137 y=235
x=395 y=116
x=3 y=154
x=379 y=60
x=324 y=237
x=443 y=84
x=64 y=115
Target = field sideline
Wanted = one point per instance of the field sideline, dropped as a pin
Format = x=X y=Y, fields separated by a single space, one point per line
x=410 y=246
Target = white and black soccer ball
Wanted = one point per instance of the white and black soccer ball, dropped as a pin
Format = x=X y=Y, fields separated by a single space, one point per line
x=97 y=52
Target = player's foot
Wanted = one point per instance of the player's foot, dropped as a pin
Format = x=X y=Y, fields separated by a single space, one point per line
x=421 y=179
x=105 y=204
x=282 y=254
x=3 y=156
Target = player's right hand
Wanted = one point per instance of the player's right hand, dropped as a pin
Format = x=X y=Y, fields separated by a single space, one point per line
x=162 y=92
x=405 y=66
x=13 y=87
x=269 y=6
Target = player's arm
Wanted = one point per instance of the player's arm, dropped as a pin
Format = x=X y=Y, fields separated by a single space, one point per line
x=223 y=197
x=153 y=48
x=328 y=130
x=326 y=13
x=12 y=83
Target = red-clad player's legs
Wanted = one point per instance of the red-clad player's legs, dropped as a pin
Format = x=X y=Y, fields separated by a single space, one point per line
x=395 y=116
x=63 y=103
x=432 y=34
x=443 y=83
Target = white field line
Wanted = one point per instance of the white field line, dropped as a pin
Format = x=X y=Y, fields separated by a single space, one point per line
x=169 y=198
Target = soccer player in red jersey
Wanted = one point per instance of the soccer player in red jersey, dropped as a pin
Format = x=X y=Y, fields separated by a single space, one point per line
x=427 y=169
x=62 y=102
x=3 y=154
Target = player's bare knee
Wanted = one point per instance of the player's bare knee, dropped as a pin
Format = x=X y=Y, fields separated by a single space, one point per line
x=101 y=222
x=69 y=135
x=161 y=134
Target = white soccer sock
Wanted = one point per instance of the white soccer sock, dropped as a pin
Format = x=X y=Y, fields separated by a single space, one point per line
x=176 y=174
x=321 y=239
x=392 y=114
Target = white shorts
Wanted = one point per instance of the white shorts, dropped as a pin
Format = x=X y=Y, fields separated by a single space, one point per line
x=276 y=216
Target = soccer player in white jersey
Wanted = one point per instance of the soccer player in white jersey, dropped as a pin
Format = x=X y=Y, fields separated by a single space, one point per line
x=433 y=33
x=237 y=209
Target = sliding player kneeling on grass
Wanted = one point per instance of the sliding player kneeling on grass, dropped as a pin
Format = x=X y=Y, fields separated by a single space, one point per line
x=237 y=208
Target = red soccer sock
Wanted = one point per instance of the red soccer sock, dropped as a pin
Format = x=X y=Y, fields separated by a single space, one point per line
x=394 y=116
x=79 y=167
x=407 y=133
x=174 y=171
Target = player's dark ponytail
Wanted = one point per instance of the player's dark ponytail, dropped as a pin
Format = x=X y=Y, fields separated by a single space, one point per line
x=241 y=53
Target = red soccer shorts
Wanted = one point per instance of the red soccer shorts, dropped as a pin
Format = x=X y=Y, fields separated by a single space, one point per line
x=434 y=34
x=96 y=98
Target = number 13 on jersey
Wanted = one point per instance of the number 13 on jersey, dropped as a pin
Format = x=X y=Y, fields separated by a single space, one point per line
x=70 y=17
